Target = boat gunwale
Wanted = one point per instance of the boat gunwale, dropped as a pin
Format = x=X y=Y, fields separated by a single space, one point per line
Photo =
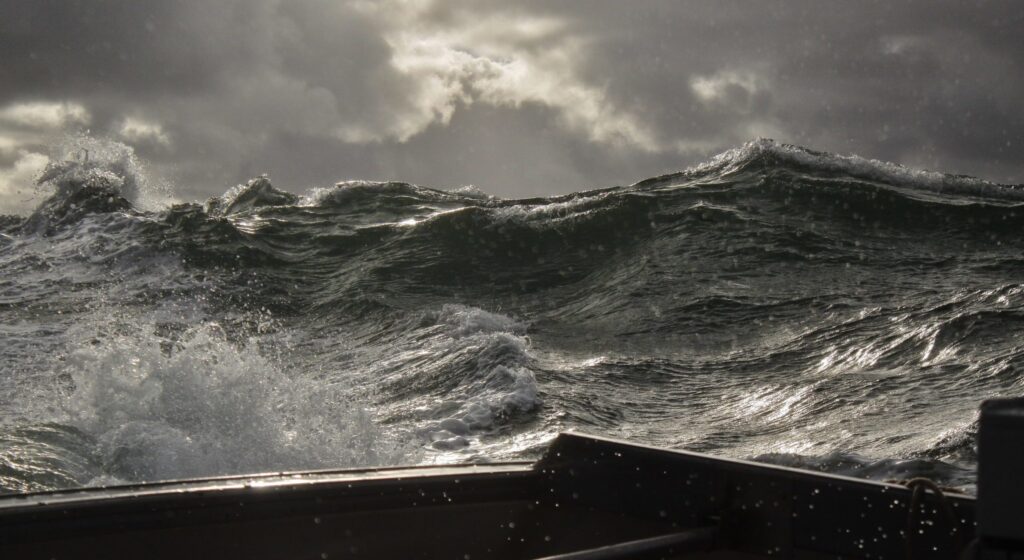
x=704 y=459
x=548 y=464
x=290 y=481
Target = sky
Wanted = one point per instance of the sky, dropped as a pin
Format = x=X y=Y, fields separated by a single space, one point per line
x=519 y=99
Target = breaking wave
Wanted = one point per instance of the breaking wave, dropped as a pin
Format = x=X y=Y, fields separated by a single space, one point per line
x=798 y=307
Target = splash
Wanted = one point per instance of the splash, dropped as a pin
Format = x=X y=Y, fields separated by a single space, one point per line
x=202 y=405
x=80 y=159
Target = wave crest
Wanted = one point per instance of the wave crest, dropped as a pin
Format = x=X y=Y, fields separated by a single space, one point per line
x=256 y=193
x=766 y=155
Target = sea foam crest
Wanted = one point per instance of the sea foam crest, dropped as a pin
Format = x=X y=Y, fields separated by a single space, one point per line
x=771 y=153
x=81 y=160
x=502 y=386
x=472 y=191
x=465 y=321
x=206 y=406
x=347 y=192
x=255 y=193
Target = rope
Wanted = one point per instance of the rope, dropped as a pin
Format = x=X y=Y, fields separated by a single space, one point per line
x=919 y=487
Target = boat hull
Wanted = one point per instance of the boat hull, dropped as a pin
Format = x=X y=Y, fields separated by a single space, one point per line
x=588 y=495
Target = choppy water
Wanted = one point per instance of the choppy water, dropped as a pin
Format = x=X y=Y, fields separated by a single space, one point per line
x=793 y=306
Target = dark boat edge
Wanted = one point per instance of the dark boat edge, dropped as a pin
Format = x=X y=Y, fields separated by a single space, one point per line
x=565 y=449
x=587 y=497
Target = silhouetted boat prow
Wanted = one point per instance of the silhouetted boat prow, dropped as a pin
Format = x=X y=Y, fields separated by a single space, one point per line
x=588 y=497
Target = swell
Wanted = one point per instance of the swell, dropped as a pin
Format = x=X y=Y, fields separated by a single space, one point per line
x=776 y=302
x=761 y=184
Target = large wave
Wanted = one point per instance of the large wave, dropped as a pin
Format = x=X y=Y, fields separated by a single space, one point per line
x=775 y=302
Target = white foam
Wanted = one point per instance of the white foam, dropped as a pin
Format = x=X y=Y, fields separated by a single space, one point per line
x=253 y=194
x=208 y=406
x=80 y=158
x=502 y=386
x=550 y=212
x=342 y=191
x=885 y=172
x=464 y=321
x=472 y=191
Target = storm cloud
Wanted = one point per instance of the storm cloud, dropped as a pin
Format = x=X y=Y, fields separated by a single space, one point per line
x=518 y=99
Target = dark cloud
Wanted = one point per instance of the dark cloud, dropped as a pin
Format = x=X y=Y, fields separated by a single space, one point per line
x=147 y=47
x=932 y=83
x=535 y=98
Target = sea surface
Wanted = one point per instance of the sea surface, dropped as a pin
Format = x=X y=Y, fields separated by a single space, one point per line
x=773 y=303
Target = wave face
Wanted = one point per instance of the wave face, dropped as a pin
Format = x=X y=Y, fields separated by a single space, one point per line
x=774 y=303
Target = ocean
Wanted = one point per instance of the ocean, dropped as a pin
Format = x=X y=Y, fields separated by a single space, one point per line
x=774 y=303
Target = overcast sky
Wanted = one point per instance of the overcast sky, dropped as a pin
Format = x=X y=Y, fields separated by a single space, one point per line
x=519 y=99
